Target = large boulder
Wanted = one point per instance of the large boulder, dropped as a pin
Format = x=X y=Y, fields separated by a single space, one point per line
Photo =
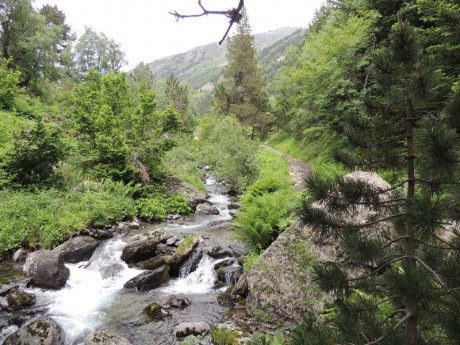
x=103 y=338
x=281 y=278
x=46 y=269
x=18 y=299
x=78 y=249
x=43 y=331
x=183 y=251
x=144 y=246
x=191 y=328
x=149 y=280
x=175 y=185
x=206 y=209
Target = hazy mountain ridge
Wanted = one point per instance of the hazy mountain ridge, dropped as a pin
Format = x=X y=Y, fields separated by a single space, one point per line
x=201 y=67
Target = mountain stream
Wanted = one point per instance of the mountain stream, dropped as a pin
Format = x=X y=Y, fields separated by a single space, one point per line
x=94 y=297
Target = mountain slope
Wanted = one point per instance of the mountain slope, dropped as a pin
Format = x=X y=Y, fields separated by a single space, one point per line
x=201 y=67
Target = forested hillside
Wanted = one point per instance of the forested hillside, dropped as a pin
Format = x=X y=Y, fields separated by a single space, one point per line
x=364 y=106
x=202 y=67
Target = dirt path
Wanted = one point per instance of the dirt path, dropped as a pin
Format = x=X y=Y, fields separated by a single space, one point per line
x=298 y=170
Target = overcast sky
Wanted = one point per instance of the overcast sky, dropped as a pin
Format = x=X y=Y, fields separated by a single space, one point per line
x=146 y=30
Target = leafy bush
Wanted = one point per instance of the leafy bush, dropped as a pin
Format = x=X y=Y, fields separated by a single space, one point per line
x=35 y=154
x=9 y=89
x=177 y=204
x=151 y=209
x=229 y=150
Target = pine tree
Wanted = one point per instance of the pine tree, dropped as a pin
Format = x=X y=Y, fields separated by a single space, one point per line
x=406 y=275
x=241 y=92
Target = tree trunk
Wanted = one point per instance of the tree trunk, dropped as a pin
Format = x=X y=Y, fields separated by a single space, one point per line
x=411 y=307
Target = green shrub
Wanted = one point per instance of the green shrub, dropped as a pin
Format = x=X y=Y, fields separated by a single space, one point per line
x=151 y=209
x=227 y=147
x=177 y=204
x=35 y=154
x=9 y=89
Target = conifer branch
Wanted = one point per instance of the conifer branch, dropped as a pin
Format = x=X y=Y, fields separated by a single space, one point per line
x=434 y=246
x=393 y=314
x=438 y=278
x=233 y=14
x=365 y=225
x=394 y=328
x=389 y=243
x=378 y=269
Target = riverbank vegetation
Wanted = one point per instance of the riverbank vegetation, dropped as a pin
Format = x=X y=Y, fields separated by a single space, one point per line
x=375 y=85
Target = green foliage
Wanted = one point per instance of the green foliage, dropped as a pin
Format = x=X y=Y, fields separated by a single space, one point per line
x=228 y=149
x=224 y=336
x=249 y=260
x=242 y=92
x=151 y=209
x=35 y=154
x=177 y=204
x=97 y=51
x=262 y=339
x=184 y=160
x=9 y=80
x=267 y=204
x=259 y=223
x=45 y=218
x=158 y=207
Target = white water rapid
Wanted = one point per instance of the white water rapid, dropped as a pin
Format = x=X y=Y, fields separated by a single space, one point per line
x=92 y=286
x=94 y=297
x=199 y=281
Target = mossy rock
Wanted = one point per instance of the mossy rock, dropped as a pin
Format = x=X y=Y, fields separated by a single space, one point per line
x=184 y=249
x=156 y=312
x=154 y=263
x=19 y=299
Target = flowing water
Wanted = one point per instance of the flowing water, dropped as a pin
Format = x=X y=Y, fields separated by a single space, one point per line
x=94 y=298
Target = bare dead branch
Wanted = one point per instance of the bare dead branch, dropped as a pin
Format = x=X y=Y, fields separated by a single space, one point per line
x=233 y=14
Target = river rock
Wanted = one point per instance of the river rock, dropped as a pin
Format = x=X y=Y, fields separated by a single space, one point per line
x=178 y=302
x=143 y=247
x=103 y=338
x=46 y=269
x=182 y=252
x=191 y=263
x=18 y=299
x=174 y=185
x=224 y=262
x=229 y=274
x=156 y=312
x=20 y=255
x=240 y=288
x=149 y=280
x=191 y=328
x=217 y=252
x=43 y=331
x=277 y=281
x=99 y=234
x=78 y=249
x=206 y=209
x=154 y=263
x=164 y=250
